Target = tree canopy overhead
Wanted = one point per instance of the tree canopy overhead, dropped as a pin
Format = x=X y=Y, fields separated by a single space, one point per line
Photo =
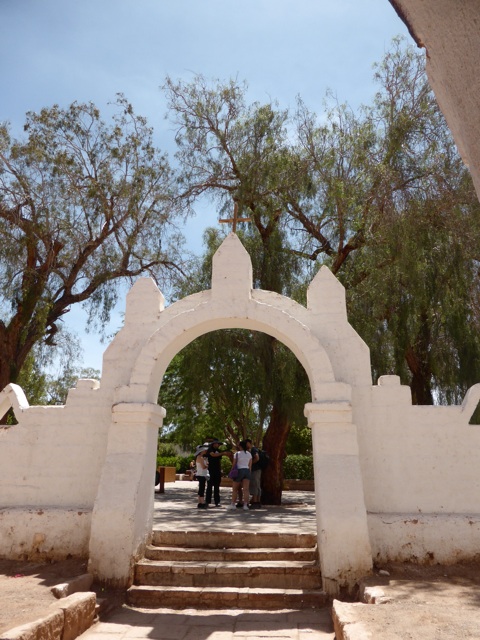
x=83 y=204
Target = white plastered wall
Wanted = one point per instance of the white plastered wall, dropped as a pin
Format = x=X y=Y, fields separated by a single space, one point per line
x=51 y=463
x=420 y=468
x=448 y=29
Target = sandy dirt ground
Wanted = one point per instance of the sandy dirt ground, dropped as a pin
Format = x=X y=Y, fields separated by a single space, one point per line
x=428 y=602
x=25 y=588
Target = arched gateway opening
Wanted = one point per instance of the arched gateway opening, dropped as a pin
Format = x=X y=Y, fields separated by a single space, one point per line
x=335 y=359
x=234 y=384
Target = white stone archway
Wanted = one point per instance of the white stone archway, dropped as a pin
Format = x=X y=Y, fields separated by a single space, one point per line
x=316 y=335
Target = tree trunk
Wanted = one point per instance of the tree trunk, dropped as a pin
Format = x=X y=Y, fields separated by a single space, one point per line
x=274 y=443
x=418 y=362
x=421 y=387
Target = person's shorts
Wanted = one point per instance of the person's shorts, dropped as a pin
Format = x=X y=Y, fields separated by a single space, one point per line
x=243 y=474
x=255 y=487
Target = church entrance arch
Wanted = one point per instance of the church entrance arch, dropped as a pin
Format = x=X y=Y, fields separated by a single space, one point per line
x=155 y=335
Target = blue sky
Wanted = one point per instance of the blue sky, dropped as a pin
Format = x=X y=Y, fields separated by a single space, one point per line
x=58 y=51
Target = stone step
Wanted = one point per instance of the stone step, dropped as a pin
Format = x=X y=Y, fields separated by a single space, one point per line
x=224 y=598
x=277 y=574
x=233 y=539
x=181 y=554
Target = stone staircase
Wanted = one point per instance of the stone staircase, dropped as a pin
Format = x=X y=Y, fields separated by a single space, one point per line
x=228 y=570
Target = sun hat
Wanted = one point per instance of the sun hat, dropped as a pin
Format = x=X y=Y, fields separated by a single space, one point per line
x=213 y=441
x=200 y=448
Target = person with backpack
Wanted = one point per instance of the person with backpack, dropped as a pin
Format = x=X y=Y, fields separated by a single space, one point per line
x=256 y=476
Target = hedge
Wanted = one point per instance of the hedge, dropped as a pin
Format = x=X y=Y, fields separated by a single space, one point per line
x=298 y=467
x=295 y=467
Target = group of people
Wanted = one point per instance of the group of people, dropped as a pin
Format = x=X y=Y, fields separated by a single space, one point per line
x=246 y=483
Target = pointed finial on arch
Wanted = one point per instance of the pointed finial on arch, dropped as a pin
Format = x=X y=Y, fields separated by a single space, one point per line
x=145 y=302
x=326 y=294
x=231 y=269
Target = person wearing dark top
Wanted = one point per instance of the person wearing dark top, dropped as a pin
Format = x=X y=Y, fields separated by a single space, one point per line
x=214 y=457
x=256 y=476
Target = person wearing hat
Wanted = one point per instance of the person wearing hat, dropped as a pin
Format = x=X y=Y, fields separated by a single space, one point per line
x=201 y=474
x=214 y=457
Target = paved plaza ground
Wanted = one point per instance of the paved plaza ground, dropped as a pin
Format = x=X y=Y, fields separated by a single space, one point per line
x=232 y=624
x=176 y=509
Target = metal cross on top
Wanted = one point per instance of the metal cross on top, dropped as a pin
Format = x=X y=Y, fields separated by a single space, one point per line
x=235 y=218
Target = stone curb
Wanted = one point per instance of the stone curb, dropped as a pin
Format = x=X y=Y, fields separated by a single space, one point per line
x=70 y=617
x=343 y=614
x=80 y=583
x=345 y=623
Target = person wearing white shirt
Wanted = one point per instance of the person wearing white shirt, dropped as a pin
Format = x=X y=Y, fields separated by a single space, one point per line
x=201 y=474
x=243 y=460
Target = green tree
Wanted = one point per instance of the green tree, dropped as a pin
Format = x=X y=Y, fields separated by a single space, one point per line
x=83 y=205
x=33 y=381
x=413 y=286
x=39 y=385
x=391 y=209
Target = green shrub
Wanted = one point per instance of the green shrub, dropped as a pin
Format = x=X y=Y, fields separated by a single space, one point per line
x=184 y=463
x=298 y=467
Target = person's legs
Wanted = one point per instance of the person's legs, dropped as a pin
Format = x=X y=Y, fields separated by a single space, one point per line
x=216 y=489
x=255 y=487
x=201 y=492
x=235 y=486
x=208 y=497
x=245 y=489
x=240 y=496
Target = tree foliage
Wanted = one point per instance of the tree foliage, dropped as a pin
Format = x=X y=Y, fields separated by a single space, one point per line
x=413 y=288
x=83 y=204
x=379 y=195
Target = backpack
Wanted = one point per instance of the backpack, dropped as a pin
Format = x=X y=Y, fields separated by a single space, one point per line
x=263 y=459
